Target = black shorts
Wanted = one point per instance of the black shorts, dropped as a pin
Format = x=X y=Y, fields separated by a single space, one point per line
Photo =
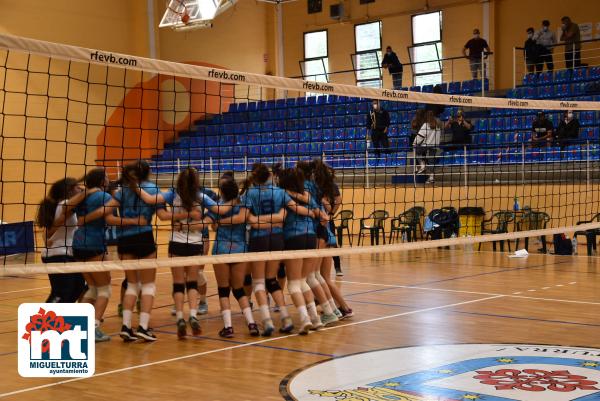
x=138 y=245
x=182 y=249
x=85 y=254
x=322 y=232
x=58 y=259
x=267 y=243
x=301 y=242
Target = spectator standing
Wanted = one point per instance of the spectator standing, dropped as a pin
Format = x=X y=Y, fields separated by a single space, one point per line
x=546 y=39
x=394 y=66
x=426 y=142
x=476 y=45
x=572 y=39
x=532 y=58
x=543 y=130
x=460 y=129
x=378 y=121
x=568 y=129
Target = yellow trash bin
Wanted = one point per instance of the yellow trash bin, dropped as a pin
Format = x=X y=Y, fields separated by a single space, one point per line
x=470 y=221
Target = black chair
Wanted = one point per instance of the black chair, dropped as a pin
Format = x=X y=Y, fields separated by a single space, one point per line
x=406 y=223
x=345 y=217
x=590 y=235
x=377 y=228
x=502 y=220
x=533 y=220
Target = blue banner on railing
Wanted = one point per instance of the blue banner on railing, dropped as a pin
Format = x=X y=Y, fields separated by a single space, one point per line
x=16 y=238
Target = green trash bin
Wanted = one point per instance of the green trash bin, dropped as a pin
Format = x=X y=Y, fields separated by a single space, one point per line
x=470 y=218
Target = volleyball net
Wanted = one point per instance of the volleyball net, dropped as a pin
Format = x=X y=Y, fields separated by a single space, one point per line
x=65 y=110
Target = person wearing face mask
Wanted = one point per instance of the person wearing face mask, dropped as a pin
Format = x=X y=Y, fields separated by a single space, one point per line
x=378 y=121
x=394 y=66
x=568 y=129
x=476 y=46
x=543 y=130
x=546 y=39
x=531 y=52
x=572 y=38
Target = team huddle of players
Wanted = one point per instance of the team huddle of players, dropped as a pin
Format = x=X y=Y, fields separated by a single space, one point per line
x=275 y=209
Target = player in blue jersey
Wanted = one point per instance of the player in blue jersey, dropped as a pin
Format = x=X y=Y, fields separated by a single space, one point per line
x=89 y=240
x=231 y=238
x=262 y=198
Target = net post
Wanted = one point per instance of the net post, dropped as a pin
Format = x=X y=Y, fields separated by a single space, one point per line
x=283 y=161
x=367 y=168
x=514 y=77
x=452 y=70
x=465 y=166
x=118 y=170
x=178 y=165
x=246 y=163
x=482 y=74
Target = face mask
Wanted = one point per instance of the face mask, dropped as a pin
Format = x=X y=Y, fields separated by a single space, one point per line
x=545 y=29
x=569 y=115
x=476 y=35
x=375 y=107
x=530 y=35
x=564 y=26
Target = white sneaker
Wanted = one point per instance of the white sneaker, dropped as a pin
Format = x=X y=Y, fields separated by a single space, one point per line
x=430 y=180
x=421 y=168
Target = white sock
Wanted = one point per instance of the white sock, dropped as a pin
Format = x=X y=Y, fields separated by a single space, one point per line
x=332 y=304
x=264 y=312
x=312 y=310
x=248 y=315
x=144 y=320
x=226 y=317
x=97 y=323
x=179 y=315
x=193 y=312
x=303 y=312
x=326 y=308
x=283 y=312
x=127 y=318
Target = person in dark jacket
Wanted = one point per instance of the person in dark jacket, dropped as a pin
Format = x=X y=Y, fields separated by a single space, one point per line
x=394 y=66
x=378 y=121
x=531 y=52
x=568 y=129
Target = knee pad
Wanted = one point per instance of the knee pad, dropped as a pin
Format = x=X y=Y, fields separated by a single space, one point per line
x=132 y=289
x=191 y=285
x=273 y=285
x=201 y=279
x=281 y=271
x=238 y=293
x=312 y=281
x=258 y=284
x=247 y=279
x=178 y=287
x=149 y=289
x=305 y=286
x=124 y=284
x=223 y=292
x=295 y=286
x=320 y=278
x=104 y=291
x=91 y=293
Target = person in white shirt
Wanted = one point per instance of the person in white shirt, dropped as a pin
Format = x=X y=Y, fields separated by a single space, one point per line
x=546 y=39
x=56 y=217
x=426 y=142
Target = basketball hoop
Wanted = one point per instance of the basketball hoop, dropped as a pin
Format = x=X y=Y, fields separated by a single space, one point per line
x=181 y=10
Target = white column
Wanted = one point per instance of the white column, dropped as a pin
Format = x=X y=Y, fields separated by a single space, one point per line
x=151 y=30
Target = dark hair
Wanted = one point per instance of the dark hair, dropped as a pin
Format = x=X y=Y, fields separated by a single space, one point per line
x=565 y=19
x=188 y=186
x=324 y=178
x=229 y=189
x=546 y=22
x=306 y=168
x=113 y=186
x=143 y=169
x=291 y=179
x=227 y=174
x=59 y=191
x=530 y=29
x=418 y=119
x=258 y=175
x=95 y=178
x=388 y=47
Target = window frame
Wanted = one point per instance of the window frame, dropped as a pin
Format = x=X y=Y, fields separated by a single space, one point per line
x=323 y=59
x=304 y=44
x=363 y=52
x=410 y=48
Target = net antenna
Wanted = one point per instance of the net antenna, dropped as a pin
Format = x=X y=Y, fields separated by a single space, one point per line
x=182 y=15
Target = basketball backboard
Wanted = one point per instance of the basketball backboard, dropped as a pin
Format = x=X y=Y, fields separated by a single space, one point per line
x=189 y=14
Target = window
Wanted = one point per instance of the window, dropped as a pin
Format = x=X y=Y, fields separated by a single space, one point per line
x=367 y=59
x=426 y=51
x=315 y=65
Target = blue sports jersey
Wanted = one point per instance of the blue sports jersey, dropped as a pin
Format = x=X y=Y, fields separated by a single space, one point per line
x=229 y=238
x=265 y=199
x=91 y=236
x=296 y=225
x=132 y=206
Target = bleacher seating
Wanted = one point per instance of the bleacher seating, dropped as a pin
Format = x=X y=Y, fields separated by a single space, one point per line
x=334 y=126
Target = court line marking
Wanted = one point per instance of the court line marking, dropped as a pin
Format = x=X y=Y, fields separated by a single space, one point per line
x=410 y=287
x=179 y=358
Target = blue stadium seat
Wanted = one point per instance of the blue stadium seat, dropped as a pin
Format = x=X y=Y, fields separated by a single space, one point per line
x=279 y=149
x=415 y=89
x=427 y=89
x=562 y=76
x=316 y=148
x=454 y=88
x=594 y=73
x=468 y=86
x=590 y=134
x=530 y=79
x=303 y=148
x=580 y=74
x=232 y=107
x=311 y=100
x=587 y=118
x=292 y=137
x=301 y=101
x=291 y=149
x=328 y=135
x=572 y=153
x=290 y=102
x=545 y=78
x=327 y=146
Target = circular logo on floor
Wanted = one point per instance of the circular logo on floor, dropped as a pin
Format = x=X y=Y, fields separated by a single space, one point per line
x=486 y=372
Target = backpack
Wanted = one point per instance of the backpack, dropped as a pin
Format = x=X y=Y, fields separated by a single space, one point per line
x=562 y=245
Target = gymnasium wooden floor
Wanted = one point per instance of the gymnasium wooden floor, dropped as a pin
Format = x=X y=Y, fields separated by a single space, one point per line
x=413 y=298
